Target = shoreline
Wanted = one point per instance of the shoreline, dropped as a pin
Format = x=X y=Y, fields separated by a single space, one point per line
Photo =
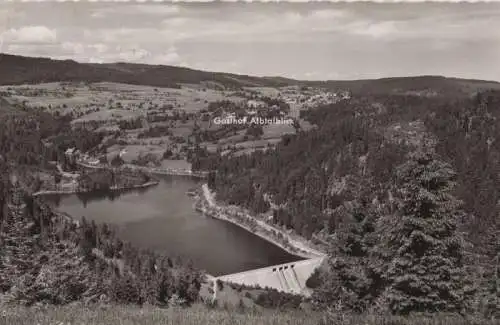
x=166 y=171
x=292 y=244
x=152 y=170
x=113 y=188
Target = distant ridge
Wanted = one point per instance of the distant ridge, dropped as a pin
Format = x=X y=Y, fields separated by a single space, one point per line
x=15 y=70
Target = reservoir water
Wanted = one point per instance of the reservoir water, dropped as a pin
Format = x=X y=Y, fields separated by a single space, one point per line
x=162 y=218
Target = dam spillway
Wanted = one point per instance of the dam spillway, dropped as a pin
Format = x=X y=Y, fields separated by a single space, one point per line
x=289 y=277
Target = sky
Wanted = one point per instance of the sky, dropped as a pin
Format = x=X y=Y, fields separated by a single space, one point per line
x=309 y=41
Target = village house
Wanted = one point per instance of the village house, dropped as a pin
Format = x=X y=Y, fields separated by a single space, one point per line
x=72 y=154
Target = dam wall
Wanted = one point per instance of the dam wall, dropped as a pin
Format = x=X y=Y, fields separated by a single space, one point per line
x=289 y=277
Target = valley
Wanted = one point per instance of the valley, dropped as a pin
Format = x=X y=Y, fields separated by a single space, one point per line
x=138 y=196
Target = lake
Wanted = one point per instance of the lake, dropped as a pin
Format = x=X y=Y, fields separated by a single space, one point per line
x=162 y=218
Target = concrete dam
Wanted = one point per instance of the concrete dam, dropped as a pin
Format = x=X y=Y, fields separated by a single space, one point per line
x=289 y=277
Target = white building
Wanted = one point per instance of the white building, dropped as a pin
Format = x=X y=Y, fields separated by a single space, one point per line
x=69 y=151
x=252 y=103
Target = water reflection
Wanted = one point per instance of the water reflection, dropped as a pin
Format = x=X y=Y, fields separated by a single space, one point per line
x=162 y=218
x=108 y=195
x=95 y=196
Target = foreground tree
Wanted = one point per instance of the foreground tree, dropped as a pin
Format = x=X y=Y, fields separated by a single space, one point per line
x=423 y=251
x=348 y=282
x=491 y=278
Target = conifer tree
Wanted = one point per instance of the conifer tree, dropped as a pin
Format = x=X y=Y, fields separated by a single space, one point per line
x=85 y=240
x=348 y=282
x=492 y=308
x=425 y=266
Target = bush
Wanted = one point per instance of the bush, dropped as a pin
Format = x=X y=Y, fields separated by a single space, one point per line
x=314 y=280
x=117 y=161
x=220 y=285
x=167 y=154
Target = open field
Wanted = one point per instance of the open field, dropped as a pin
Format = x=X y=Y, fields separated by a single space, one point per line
x=79 y=96
x=199 y=314
x=146 y=120
x=130 y=315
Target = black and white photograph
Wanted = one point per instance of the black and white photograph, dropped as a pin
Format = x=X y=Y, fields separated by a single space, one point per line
x=260 y=163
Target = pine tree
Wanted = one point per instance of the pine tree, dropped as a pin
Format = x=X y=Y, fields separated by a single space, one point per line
x=349 y=282
x=125 y=289
x=425 y=266
x=492 y=308
x=85 y=239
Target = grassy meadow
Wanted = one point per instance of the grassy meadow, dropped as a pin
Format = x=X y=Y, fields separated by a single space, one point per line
x=200 y=314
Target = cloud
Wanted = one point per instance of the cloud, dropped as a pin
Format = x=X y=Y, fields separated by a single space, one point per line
x=95 y=60
x=129 y=35
x=293 y=17
x=382 y=29
x=37 y=50
x=159 y=9
x=176 y=22
x=8 y=13
x=81 y=49
x=30 y=35
x=311 y=74
x=328 y=14
x=135 y=10
x=169 y=57
x=98 y=15
x=73 y=48
x=132 y=54
x=99 y=47
x=260 y=27
x=15 y=48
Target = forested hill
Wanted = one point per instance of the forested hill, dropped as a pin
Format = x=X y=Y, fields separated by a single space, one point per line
x=30 y=70
x=20 y=70
x=427 y=86
x=392 y=182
